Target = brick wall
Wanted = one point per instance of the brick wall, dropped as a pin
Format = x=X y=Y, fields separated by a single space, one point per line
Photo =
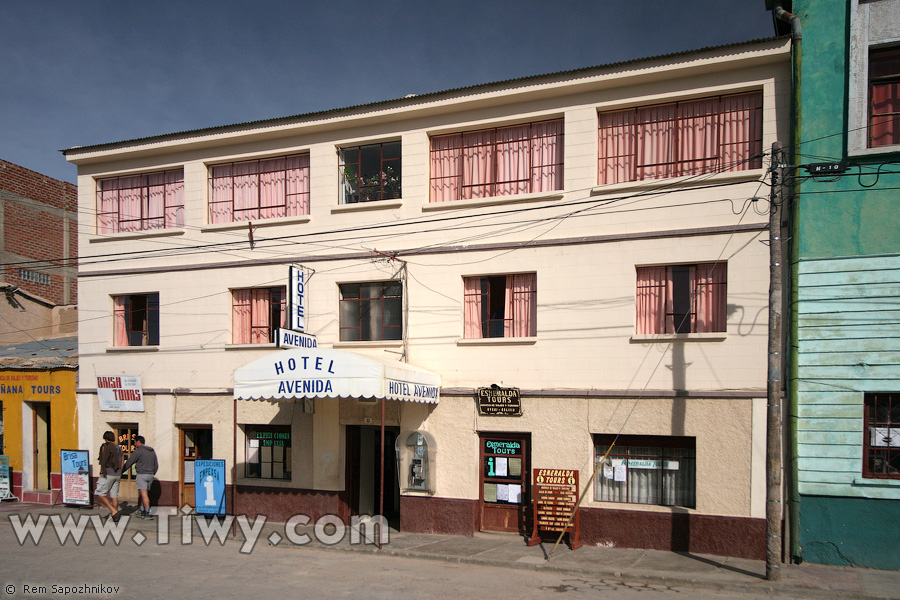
x=39 y=223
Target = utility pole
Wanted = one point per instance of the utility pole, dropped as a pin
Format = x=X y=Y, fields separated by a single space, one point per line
x=774 y=410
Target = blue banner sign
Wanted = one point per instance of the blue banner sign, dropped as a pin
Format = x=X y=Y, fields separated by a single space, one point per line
x=209 y=487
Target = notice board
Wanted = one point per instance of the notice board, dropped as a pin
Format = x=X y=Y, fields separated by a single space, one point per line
x=555 y=493
x=76 y=477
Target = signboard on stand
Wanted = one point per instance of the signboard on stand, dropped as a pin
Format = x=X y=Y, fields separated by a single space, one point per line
x=76 y=477
x=5 y=481
x=209 y=487
x=555 y=497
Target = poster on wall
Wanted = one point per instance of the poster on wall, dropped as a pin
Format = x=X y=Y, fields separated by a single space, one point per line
x=209 y=487
x=120 y=393
x=5 y=482
x=76 y=477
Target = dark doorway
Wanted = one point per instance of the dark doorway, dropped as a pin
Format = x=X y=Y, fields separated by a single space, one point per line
x=364 y=472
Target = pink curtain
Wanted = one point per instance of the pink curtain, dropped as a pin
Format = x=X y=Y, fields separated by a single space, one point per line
x=155 y=202
x=520 y=310
x=740 y=126
x=711 y=297
x=130 y=200
x=472 y=308
x=477 y=164
x=655 y=134
x=513 y=169
x=174 y=199
x=120 y=321
x=271 y=188
x=446 y=167
x=108 y=221
x=240 y=317
x=885 y=127
x=297 y=185
x=651 y=300
x=617 y=147
x=697 y=135
x=547 y=156
x=259 y=316
x=246 y=191
x=220 y=194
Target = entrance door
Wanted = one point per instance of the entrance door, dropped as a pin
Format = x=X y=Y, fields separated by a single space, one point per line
x=41 y=437
x=505 y=471
x=125 y=434
x=196 y=443
x=364 y=472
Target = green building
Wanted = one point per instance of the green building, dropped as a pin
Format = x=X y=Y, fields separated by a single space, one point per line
x=843 y=459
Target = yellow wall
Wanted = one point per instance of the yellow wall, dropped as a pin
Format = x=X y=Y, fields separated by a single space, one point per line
x=54 y=386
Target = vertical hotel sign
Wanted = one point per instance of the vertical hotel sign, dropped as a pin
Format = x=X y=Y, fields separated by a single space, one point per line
x=297 y=280
x=120 y=393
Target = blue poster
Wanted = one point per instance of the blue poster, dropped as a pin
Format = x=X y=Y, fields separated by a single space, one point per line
x=209 y=487
x=5 y=483
x=76 y=477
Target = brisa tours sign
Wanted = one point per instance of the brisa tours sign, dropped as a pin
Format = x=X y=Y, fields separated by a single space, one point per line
x=120 y=393
x=318 y=373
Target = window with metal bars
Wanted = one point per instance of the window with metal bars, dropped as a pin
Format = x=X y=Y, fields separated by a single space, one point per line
x=884 y=97
x=881 y=440
x=371 y=311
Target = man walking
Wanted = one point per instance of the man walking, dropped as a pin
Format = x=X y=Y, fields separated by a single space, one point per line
x=144 y=460
x=110 y=472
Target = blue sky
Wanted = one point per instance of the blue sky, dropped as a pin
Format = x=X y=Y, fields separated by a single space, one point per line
x=76 y=73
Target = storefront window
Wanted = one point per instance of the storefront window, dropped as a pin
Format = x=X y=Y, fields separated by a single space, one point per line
x=125 y=435
x=502 y=473
x=268 y=451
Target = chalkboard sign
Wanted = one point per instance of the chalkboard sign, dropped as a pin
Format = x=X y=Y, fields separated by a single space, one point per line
x=555 y=493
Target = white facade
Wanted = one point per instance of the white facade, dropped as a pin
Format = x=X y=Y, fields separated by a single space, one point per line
x=586 y=371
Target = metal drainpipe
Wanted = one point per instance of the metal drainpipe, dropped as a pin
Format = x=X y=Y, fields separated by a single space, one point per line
x=796 y=114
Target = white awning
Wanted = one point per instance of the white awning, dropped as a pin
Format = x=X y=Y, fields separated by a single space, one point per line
x=322 y=373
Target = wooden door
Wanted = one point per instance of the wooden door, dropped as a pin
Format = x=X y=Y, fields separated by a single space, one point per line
x=504 y=490
x=125 y=434
x=195 y=443
x=41 y=437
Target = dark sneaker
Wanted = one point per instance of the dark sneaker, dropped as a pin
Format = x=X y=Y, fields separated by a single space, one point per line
x=116 y=517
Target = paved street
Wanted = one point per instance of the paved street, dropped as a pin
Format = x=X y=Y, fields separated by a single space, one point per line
x=275 y=559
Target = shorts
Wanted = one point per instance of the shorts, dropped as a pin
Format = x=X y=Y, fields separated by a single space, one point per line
x=108 y=485
x=144 y=481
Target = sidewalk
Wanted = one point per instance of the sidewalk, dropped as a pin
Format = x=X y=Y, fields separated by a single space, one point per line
x=671 y=569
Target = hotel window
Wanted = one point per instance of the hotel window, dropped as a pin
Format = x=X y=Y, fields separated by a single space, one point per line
x=884 y=97
x=259 y=189
x=371 y=311
x=370 y=173
x=257 y=313
x=882 y=436
x=136 y=320
x=500 y=306
x=681 y=298
x=497 y=162
x=268 y=451
x=140 y=202
x=712 y=135
x=646 y=470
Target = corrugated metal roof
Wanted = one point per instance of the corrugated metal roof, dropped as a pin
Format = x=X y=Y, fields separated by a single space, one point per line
x=41 y=354
x=407 y=100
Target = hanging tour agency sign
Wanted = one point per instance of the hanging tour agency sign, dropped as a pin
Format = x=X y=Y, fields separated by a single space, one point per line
x=120 y=393
x=499 y=402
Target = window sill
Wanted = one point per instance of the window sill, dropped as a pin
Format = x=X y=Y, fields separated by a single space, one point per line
x=210 y=227
x=498 y=341
x=369 y=344
x=361 y=206
x=672 y=183
x=134 y=235
x=493 y=201
x=876 y=151
x=127 y=349
x=717 y=336
x=261 y=482
x=267 y=345
x=884 y=483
